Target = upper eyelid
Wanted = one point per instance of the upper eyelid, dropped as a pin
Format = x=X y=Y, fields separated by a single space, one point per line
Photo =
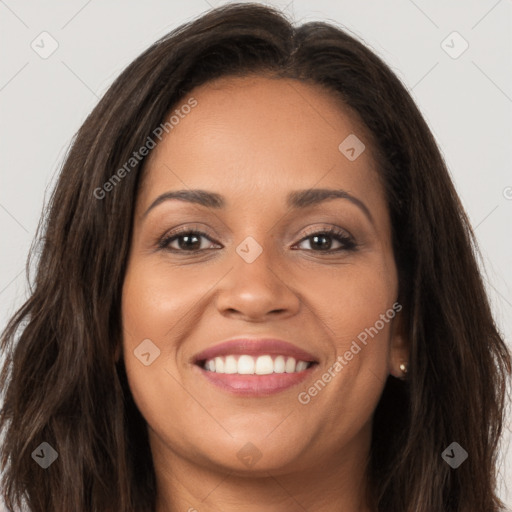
x=331 y=229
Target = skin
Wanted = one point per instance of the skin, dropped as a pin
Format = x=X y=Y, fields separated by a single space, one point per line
x=253 y=140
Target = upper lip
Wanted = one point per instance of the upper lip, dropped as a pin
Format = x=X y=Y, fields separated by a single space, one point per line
x=254 y=347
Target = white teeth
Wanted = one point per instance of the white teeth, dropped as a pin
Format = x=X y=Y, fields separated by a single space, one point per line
x=260 y=365
x=219 y=364
x=290 y=365
x=246 y=365
x=279 y=364
x=264 y=365
x=230 y=365
x=301 y=366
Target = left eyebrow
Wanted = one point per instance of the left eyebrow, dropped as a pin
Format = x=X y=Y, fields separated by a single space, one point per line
x=305 y=198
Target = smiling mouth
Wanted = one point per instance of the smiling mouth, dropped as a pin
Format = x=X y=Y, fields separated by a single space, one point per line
x=246 y=364
x=254 y=367
x=255 y=376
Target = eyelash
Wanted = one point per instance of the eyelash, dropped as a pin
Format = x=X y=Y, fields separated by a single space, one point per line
x=347 y=242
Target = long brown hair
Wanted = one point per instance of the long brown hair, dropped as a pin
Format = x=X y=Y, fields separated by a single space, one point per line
x=60 y=380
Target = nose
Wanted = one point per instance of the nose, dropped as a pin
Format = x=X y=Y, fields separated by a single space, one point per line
x=257 y=291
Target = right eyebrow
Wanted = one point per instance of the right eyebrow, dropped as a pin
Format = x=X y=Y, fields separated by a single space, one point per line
x=208 y=199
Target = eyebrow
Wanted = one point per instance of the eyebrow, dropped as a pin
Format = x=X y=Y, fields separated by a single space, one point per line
x=296 y=199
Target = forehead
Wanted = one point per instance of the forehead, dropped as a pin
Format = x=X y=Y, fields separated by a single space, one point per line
x=259 y=136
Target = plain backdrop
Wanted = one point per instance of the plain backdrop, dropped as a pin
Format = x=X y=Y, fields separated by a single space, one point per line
x=454 y=57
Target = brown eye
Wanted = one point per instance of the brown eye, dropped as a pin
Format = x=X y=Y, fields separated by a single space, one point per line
x=185 y=241
x=322 y=241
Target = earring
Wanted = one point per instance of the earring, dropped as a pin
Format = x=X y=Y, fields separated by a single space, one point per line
x=404 y=368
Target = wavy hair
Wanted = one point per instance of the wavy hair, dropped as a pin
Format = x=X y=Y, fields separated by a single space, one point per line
x=60 y=380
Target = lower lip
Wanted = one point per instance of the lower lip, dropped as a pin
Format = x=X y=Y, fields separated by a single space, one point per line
x=256 y=385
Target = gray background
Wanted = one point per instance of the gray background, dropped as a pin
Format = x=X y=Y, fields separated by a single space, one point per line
x=467 y=102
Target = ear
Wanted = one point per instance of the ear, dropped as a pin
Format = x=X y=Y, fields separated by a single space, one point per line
x=399 y=352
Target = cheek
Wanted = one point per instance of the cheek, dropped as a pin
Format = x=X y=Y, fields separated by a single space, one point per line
x=350 y=300
x=158 y=299
x=152 y=305
x=354 y=309
x=358 y=314
x=164 y=304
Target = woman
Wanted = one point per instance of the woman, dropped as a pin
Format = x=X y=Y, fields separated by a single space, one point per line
x=257 y=291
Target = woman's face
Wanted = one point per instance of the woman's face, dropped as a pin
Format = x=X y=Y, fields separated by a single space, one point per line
x=264 y=268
